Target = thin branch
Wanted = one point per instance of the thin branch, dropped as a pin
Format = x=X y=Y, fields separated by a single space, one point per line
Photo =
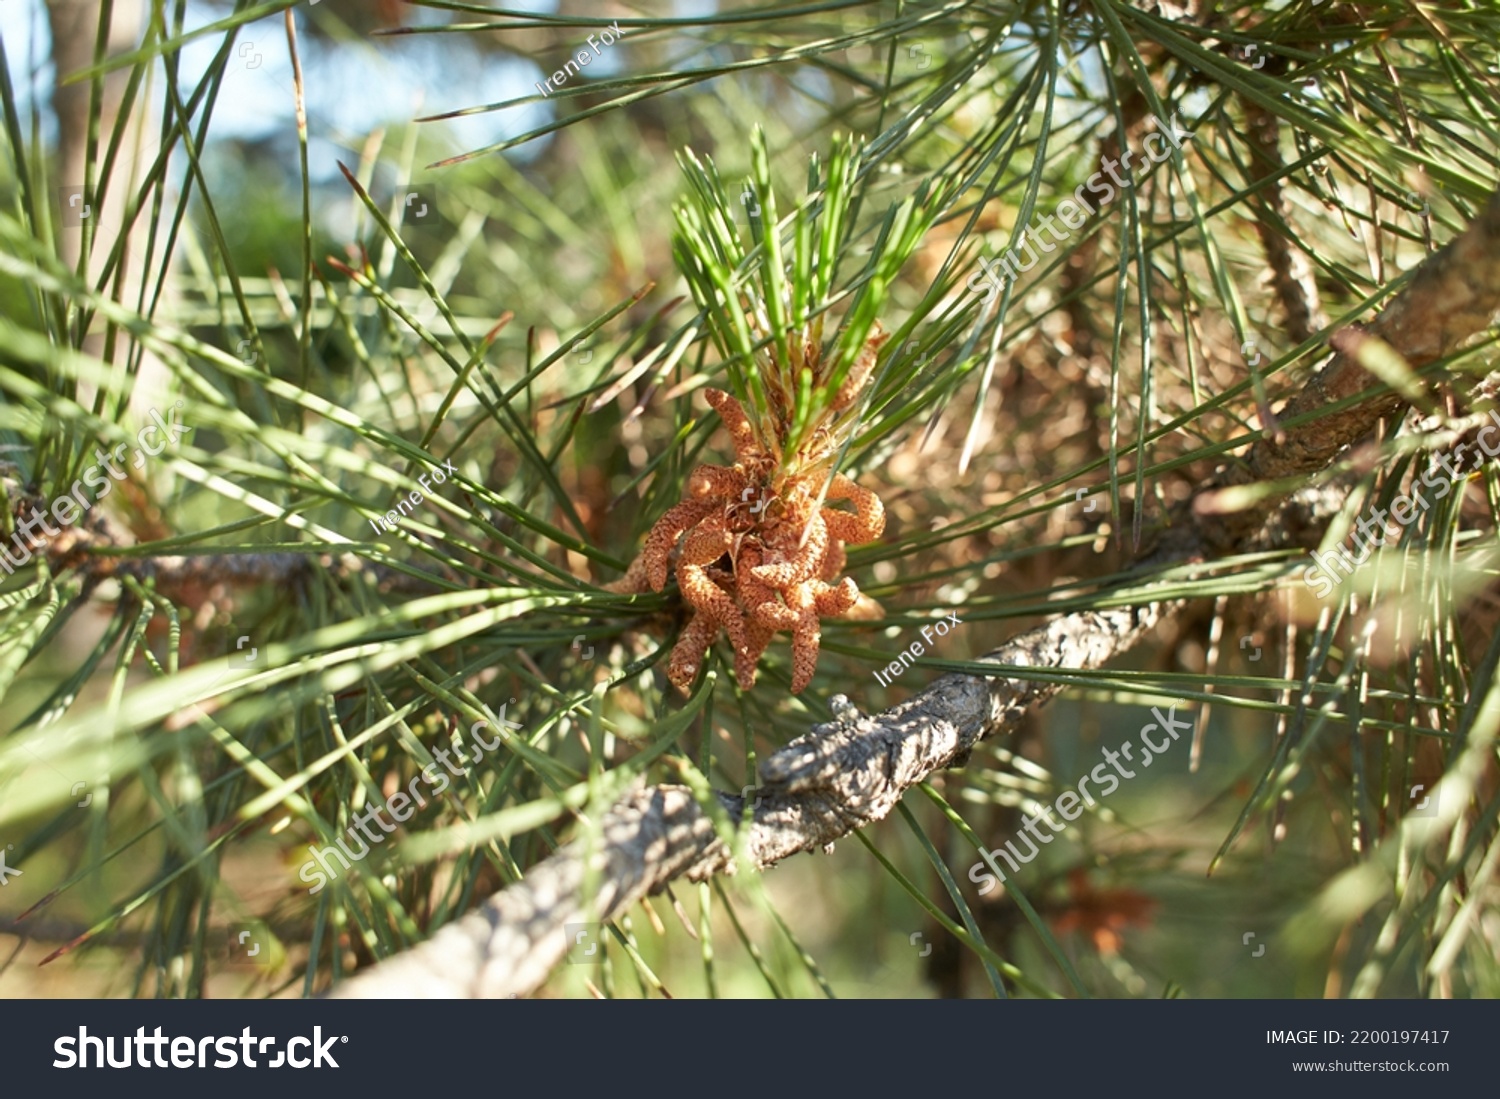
x=1291 y=271
x=844 y=775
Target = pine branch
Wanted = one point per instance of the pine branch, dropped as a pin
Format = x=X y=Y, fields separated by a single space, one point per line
x=1451 y=297
x=1292 y=277
x=842 y=776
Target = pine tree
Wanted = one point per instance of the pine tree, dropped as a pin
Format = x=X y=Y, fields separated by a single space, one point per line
x=1135 y=325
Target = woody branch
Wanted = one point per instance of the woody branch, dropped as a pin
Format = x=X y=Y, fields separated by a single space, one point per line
x=841 y=776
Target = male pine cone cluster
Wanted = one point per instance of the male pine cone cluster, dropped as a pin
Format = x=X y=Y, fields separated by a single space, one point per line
x=757 y=553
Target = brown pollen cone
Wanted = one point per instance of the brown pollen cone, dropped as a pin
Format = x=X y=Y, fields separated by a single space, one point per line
x=758 y=550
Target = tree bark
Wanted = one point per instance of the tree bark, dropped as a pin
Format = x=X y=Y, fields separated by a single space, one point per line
x=844 y=775
x=74 y=26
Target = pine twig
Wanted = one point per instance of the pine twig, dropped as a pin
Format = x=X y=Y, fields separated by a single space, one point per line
x=841 y=776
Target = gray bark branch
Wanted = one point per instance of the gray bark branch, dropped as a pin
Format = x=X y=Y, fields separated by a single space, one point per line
x=841 y=776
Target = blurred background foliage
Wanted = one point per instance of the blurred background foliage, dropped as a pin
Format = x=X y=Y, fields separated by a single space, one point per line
x=451 y=266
